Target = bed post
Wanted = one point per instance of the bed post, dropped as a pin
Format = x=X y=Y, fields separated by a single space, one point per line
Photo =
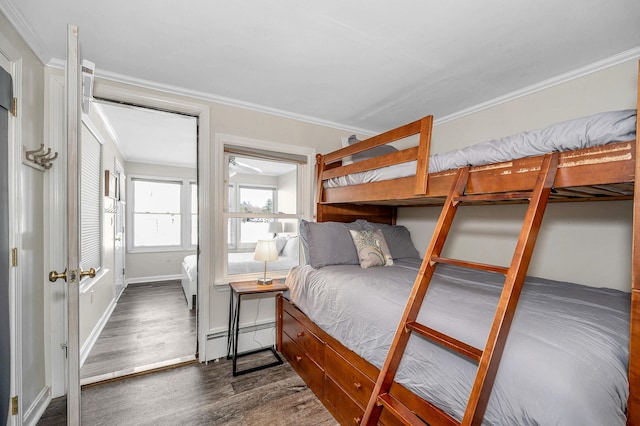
x=319 y=171
x=633 y=403
x=424 y=149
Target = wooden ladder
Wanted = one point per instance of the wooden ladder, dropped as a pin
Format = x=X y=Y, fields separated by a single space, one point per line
x=489 y=358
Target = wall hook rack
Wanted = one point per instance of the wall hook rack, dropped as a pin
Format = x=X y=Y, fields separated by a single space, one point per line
x=40 y=159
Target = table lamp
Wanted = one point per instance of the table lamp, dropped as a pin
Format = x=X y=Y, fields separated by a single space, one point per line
x=265 y=251
x=276 y=228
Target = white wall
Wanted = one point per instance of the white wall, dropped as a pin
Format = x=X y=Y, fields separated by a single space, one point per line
x=287 y=192
x=588 y=243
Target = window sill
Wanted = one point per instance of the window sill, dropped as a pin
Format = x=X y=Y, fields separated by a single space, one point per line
x=87 y=283
x=139 y=250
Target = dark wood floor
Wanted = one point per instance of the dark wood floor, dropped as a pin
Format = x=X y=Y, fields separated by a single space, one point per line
x=151 y=323
x=200 y=394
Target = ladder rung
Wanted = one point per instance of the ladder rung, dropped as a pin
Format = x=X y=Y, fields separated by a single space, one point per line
x=445 y=340
x=399 y=410
x=475 y=265
x=494 y=197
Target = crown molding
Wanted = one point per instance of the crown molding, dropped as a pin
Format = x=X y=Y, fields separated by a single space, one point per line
x=12 y=14
x=181 y=91
x=545 y=84
x=525 y=91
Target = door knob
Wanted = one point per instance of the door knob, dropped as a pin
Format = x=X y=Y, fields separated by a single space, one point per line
x=54 y=276
x=91 y=273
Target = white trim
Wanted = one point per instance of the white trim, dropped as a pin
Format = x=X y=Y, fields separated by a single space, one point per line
x=15 y=17
x=91 y=340
x=38 y=407
x=88 y=282
x=14 y=154
x=545 y=84
x=152 y=279
x=251 y=336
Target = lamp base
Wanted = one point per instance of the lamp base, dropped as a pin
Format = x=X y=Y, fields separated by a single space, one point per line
x=265 y=281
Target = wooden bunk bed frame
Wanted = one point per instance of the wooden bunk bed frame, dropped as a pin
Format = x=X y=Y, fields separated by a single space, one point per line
x=344 y=381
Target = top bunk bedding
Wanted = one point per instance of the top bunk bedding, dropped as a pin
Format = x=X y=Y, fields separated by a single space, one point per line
x=580 y=137
x=566 y=357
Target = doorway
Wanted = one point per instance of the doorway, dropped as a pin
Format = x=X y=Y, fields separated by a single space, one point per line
x=56 y=222
x=150 y=227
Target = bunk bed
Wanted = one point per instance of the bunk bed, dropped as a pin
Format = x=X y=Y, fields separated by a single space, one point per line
x=341 y=373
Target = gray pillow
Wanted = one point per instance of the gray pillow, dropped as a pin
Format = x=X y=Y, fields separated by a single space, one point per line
x=370 y=153
x=398 y=239
x=328 y=243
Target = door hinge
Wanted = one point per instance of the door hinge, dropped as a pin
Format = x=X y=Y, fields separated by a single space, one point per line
x=65 y=348
x=14 y=406
x=14 y=107
x=14 y=257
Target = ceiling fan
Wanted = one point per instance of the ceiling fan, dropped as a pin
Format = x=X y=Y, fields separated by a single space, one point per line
x=239 y=166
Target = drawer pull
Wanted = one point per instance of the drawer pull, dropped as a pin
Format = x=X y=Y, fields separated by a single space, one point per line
x=357 y=385
x=300 y=333
x=357 y=420
x=298 y=358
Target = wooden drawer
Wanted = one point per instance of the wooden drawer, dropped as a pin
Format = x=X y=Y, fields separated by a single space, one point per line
x=347 y=410
x=354 y=382
x=311 y=373
x=303 y=338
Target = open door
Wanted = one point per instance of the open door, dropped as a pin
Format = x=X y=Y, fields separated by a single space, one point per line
x=73 y=102
x=72 y=273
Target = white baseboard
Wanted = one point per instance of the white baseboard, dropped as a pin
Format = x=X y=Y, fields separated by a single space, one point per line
x=141 y=280
x=95 y=333
x=250 y=337
x=37 y=409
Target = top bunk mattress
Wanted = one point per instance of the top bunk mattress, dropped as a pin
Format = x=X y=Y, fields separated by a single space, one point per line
x=585 y=132
x=565 y=361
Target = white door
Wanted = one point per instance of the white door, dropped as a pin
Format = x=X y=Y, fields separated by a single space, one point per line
x=73 y=101
x=73 y=92
x=119 y=231
x=119 y=246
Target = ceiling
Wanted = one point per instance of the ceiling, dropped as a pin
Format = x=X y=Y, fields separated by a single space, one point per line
x=150 y=136
x=363 y=66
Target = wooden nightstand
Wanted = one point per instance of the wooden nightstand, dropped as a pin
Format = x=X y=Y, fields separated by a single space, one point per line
x=237 y=290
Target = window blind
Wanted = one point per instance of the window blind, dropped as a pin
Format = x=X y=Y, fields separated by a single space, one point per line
x=90 y=210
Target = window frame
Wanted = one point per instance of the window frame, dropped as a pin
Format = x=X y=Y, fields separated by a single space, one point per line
x=305 y=189
x=186 y=215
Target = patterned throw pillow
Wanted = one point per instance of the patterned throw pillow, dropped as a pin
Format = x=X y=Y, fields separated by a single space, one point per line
x=372 y=248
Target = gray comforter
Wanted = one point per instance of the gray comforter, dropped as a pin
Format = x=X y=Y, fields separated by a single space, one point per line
x=565 y=362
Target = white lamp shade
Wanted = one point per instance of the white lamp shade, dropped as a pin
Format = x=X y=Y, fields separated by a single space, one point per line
x=266 y=251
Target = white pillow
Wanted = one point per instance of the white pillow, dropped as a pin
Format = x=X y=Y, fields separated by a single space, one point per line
x=345 y=143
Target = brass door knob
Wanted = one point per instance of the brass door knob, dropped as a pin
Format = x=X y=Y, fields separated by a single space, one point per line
x=91 y=273
x=54 y=276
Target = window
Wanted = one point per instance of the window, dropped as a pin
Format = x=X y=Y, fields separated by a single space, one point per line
x=194 y=214
x=253 y=200
x=262 y=202
x=164 y=214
